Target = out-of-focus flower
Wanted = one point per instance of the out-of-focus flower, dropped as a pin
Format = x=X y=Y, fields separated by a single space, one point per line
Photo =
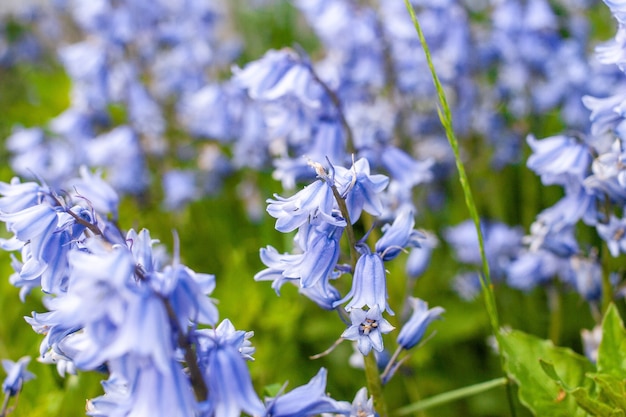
x=17 y=374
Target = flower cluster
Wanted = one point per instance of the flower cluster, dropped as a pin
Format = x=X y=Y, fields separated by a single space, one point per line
x=116 y=304
x=325 y=211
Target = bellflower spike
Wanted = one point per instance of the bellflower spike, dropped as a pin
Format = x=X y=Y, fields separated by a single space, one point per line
x=369 y=286
x=360 y=189
x=307 y=400
x=414 y=329
x=17 y=374
x=367 y=329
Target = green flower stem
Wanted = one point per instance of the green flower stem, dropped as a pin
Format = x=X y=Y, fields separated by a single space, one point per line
x=5 y=404
x=372 y=375
x=349 y=230
x=450 y=396
x=374 y=386
x=607 y=287
x=556 y=313
x=445 y=116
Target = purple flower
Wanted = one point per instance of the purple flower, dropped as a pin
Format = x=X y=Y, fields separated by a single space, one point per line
x=559 y=159
x=17 y=196
x=414 y=329
x=279 y=74
x=226 y=374
x=419 y=257
x=17 y=374
x=362 y=406
x=398 y=235
x=307 y=400
x=614 y=234
x=360 y=189
x=404 y=169
x=314 y=200
x=367 y=329
x=586 y=277
x=369 y=285
x=97 y=192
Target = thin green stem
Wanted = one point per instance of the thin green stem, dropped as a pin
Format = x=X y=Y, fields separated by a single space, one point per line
x=374 y=385
x=607 y=287
x=556 y=313
x=450 y=396
x=372 y=375
x=445 y=116
x=5 y=404
x=349 y=230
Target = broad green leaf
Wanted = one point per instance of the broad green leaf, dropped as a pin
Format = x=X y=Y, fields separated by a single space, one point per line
x=612 y=350
x=540 y=392
x=582 y=396
x=592 y=405
x=612 y=388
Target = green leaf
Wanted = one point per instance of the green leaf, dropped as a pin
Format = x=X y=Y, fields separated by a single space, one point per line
x=612 y=388
x=593 y=406
x=612 y=350
x=524 y=354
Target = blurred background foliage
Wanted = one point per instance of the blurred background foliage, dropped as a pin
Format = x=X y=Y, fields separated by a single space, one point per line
x=217 y=237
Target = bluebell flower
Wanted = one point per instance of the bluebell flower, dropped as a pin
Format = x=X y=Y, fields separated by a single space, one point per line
x=17 y=196
x=316 y=199
x=404 y=169
x=95 y=191
x=467 y=285
x=322 y=294
x=135 y=387
x=559 y=159
x=586 y=277
x=278 y=74
x=605 y=114
x=238 y=338
x=579 y=203
x=361 y=189
x=502 y=244
x=369 y=284
x=591 y=342
x=86 y=64
x=534 y=268
x=304 y=401
x=614 y=234
x=125 y=171
x=419 y=257
x=283 y=268
x=398 y=235
x=362 y=406
x=226 y=374
x=179 y=187
x=367 y=329
x=17 y=374
x=33 y=227
x=413 y=330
